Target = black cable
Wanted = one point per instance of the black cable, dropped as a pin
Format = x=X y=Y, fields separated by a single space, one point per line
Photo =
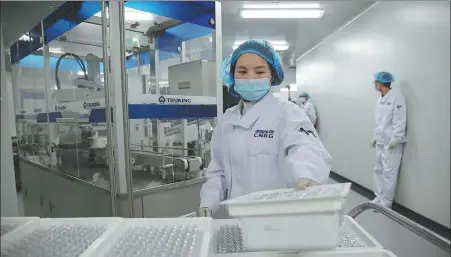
x=79 y=61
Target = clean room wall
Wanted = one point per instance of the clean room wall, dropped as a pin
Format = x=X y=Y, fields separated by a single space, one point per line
x=411 y=40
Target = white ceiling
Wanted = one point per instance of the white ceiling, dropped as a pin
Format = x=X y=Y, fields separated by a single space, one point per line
x=301 y=34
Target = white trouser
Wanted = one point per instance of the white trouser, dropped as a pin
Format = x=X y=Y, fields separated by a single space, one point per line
x=386 y=171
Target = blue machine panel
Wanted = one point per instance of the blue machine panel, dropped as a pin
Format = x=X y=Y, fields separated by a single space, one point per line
x=155 y=111
x=196 y=14
x=42 y=117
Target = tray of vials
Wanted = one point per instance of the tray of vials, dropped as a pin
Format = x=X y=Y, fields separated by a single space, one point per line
x=59 y=237
x=229 y=237
x=166 y=237
x=12 y=224
x=277 y=219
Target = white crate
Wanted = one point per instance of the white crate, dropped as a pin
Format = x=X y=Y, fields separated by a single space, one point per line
x=357 y=253
x=12 y=224
x=58 y=237
x=278 y=219
x=232 y=243
x=145 y=237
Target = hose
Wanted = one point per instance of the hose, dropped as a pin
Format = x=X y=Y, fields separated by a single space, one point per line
x=79 y=61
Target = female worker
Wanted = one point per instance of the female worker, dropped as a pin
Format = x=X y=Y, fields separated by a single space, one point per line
x=307 y=106
x=262 y=143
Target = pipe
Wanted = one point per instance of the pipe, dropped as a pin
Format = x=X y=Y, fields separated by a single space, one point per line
x=106 y=86
x=166 y=147
x=416 y=228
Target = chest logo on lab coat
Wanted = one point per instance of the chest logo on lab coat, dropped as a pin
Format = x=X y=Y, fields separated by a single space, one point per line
x=399 y=106
x=308 y=132
x=264 y=133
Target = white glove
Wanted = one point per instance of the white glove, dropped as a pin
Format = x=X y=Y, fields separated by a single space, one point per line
x=205 y=212
x=304 y=183
x=392 y=145
x=373 y=143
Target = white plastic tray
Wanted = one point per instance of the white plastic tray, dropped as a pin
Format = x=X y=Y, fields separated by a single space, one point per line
x=58 y=237
x=353 y=237
x=356 y=253
x=145 y=237
x=277 y=219
x=323 y=198
x=12 y=224
x=351 y=225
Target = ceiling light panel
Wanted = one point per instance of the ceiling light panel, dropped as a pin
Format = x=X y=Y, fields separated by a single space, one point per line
x=276 y=47
x=282 y=6
x=280 y=14
x=272 y=42
x=131 y=14
x=56 y=50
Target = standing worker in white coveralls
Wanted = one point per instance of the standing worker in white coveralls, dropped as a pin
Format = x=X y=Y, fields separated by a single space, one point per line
x=307 y=106
x=263 y=143
x=389 y=138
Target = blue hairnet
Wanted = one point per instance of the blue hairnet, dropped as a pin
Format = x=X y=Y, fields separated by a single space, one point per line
x=383 y=77
x=260 y=47
x=306 y=94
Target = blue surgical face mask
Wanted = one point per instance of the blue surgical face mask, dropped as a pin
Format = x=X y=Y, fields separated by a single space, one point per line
x=252 y=89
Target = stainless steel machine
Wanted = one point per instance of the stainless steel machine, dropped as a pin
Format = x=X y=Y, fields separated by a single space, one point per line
x=75 y=162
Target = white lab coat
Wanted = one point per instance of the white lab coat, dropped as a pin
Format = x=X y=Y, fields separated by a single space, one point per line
x=390 y=128
x=271 y=147
x=309 y=109
x=390 y=119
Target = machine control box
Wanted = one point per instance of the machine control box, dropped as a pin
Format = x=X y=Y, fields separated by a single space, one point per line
x=196 y=78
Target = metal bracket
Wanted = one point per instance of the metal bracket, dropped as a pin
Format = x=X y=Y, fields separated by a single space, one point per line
x=421 y=231
x=160 y=28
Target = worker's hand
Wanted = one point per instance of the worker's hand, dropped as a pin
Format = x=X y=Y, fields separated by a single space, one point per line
x=304 y=183
x=205 y=212
x=392 y=145
x=373 y=143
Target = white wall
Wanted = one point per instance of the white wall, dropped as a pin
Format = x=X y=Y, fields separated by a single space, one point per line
x=8 y=184
x=411 y=40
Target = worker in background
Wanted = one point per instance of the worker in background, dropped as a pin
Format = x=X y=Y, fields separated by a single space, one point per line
x=263 y=143
x=389 y=138
x=307 y=106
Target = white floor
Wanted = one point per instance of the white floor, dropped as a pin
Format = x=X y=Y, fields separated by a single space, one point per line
x=392 y=236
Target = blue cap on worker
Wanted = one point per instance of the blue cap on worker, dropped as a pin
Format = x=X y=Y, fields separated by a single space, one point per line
x=260 y=47
x=383 y=77
x=305 y=94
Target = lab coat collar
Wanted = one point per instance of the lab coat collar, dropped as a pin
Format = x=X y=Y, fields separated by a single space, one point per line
x=385 y=97
x=252 y=115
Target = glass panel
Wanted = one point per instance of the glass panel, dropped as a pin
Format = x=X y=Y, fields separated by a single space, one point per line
x=77 y=77
x=58 y=89
x=170 y=72
x=32 y=96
